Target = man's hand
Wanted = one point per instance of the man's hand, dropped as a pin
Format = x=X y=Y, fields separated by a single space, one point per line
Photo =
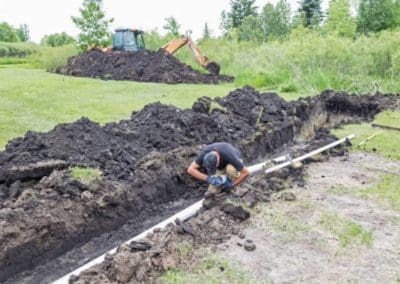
x=217 y=181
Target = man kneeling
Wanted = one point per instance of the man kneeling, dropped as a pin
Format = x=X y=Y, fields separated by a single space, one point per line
x=223 y=166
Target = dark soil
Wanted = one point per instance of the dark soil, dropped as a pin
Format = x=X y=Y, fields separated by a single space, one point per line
x=143 y=66
x=45 y=212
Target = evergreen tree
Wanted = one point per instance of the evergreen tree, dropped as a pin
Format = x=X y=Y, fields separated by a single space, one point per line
x=311 y=11
x=339 y=20
x=206 y=32
x=93 y=25
x=239 y=10
x=172 y=26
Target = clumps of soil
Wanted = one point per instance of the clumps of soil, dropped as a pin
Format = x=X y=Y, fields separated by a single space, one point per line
x=44 y=211
x=161 y=250
x=143 y=66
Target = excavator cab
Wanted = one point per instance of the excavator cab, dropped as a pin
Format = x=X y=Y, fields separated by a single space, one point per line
x=128 y=40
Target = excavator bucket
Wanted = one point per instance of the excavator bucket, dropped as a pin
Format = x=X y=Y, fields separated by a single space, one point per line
x=213 y=68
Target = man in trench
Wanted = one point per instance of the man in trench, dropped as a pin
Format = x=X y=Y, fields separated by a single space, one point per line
x=223 y=166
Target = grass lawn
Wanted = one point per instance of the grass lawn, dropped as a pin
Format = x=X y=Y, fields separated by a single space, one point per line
x=36 y=100
x=386 y=142
x=33 y=99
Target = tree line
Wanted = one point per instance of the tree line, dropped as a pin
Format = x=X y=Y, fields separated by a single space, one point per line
x=341 y=18
x=243 y=21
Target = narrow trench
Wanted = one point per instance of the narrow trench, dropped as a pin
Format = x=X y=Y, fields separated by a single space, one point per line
x=160 y=186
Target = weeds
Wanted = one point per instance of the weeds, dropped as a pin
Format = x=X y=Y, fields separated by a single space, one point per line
x=210 y=269
x=283 y=223
x=387 y=143
x=347 y=232
x=184 y=249
x=387 y=190
x=87 y=176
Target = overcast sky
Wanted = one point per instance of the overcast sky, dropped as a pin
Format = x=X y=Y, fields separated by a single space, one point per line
x=54 y=16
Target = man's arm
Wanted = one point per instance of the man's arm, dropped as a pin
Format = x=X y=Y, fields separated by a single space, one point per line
x=193 y=170
x=244 y=173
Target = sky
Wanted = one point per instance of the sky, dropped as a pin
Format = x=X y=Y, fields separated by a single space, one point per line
x=54 y=16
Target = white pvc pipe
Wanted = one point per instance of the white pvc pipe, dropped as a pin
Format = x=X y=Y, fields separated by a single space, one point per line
x=262 y=166
x=183 y=216
x=193 y=209
x=306 y=156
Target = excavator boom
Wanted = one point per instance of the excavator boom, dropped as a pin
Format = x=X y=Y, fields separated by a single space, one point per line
x=175 y=44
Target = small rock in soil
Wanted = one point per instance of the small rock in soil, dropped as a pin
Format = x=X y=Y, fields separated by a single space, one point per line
x=86 y=196
x=288 y=196
x=249 y=245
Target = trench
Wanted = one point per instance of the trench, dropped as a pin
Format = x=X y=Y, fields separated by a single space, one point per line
x=44 y=215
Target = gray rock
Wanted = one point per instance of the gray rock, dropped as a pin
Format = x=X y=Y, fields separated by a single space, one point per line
x=249 y=245
x=86 y=196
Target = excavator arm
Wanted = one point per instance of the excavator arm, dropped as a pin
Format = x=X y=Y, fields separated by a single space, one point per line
x=175 y=44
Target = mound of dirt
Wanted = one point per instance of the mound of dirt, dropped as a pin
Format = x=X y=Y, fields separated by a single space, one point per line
x=143 y=66
x=45 y=210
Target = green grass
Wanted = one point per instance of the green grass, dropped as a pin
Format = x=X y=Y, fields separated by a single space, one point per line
x=386 y=190
x=347 y=232
x=283 y=223
x=184 y=249
x=210 y=269
x=37 y=100
x=87 y=176
x=386 y=143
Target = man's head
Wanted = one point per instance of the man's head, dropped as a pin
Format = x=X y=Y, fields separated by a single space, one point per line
x=210 y=163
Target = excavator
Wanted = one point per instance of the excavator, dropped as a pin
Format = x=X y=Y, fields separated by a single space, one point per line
x=133 y=40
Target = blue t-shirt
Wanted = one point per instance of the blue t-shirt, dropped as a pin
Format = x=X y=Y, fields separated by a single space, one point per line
x=228 y=154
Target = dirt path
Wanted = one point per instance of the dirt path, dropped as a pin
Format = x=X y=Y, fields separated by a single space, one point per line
x=335 y=230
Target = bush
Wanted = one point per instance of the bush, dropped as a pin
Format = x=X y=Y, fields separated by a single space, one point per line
x=57 y=39
x=17 y=49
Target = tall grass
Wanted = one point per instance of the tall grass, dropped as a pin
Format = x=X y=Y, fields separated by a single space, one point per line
x=305 y=62
x=308 y=61
x=50 y=57
x=17 y=49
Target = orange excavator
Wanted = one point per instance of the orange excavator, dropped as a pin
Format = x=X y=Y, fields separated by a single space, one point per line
x=175 y=44
x=133 y=40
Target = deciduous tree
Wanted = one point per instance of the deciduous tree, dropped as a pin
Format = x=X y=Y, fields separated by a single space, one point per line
x=172 y=26
x=376 y=15
x=339 y=19
x=23 y=32
x=8 y=33
x=93 y=25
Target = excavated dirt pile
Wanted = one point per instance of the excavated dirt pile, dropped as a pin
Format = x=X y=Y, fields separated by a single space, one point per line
x=143 y=66
x=45 y=210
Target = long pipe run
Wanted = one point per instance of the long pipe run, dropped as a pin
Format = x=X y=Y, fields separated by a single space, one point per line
x=308 y=155
x=193 y=209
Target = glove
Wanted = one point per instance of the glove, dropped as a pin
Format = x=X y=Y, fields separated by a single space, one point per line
x=228 y=184
x=217 y=181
